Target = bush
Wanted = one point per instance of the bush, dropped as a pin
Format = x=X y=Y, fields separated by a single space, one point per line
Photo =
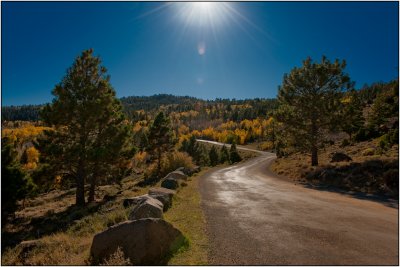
x=268 y=145
x=345 y=142
x=224 y=154
x=391 y=180
x=213 y=156
x=383 y=142
x=170 y=162
x=117 y=259
x=393 y=136
x=368 y=152
x=233 y=154
x=365 y=134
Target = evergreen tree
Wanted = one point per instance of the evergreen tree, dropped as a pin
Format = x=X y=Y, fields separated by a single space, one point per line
x=224 y=154
x=234 y=154
x=385 y=107
x=201 y=157
x=309 y=101
x=90 y=128
x=213 y=156
x=14 y=181
x=144 y=140
x=160 y=137
x=190 y=146
x=352 y=119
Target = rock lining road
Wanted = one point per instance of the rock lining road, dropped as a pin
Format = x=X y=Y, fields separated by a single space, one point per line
x=256 y=218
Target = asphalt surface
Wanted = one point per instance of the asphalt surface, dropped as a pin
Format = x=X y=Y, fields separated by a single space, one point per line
x=256 y=218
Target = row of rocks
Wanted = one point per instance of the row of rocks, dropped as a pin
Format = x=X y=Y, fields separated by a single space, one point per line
x=171 y=181
x=146 y=239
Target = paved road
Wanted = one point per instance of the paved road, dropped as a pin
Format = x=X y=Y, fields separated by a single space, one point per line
x=255 y=218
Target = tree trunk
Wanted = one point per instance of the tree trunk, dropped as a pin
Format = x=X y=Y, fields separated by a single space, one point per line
x=314 y=148
x=314 y=156
x=92 y=188
x=80 y=185
x=159 y=161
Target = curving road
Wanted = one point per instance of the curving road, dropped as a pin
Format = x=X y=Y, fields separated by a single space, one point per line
x=256 y=218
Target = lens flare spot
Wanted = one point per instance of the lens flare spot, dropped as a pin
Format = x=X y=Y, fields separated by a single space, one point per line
x=201 y=48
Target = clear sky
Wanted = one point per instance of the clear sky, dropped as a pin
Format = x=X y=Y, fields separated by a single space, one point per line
x=226 y=50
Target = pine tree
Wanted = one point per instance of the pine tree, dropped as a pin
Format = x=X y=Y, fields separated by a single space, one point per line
x=234 y=154
x=224 y=154
x=90 y=128
x=160 y=137
x=384 y=107
x=213 y=155
x=309 y=101
x=13 y=178
x=352 y=119
x=201 y=157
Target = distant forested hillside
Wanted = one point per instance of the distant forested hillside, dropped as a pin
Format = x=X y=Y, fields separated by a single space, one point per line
x=20 y=113
x=145 y=107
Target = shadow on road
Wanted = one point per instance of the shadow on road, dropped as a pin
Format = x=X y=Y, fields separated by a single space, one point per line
x=385 y=200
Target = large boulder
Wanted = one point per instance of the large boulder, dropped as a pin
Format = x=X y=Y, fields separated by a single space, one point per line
x=164 y=195
x=145 y=242
x=338 y=157
x=170 y=183
x=189 y=171
x=133 y=201
x=149 y=208
x=177 y=175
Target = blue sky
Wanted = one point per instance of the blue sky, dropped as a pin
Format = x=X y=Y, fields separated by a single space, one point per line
x=234 y=50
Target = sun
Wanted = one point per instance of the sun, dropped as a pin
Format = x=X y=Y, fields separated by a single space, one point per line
x=203 y=13
x=202 y=7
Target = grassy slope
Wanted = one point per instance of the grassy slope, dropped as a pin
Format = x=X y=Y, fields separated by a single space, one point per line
x=66 y=232
x=297 y=166
x=70 y=245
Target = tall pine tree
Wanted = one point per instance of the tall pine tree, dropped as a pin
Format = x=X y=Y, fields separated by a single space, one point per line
x=90 y=129
x=310 y=101
x=160 y=137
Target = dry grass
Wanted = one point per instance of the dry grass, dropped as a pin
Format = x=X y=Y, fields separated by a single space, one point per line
x=65 y=232
x=70 y=247
x=117 y=259
x=187 y=216
x=298 y=166
x=68 y=240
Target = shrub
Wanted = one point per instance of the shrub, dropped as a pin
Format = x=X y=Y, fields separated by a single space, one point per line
x=392 y=136
x=268 y=145
x=213 y=156
x=117 y=259
x=391 y=179
x=365 y=134
x=383 y=141
x=368 y=152
x=224 y=154
x=170 y=162
x=140 y=159
x=345 y=142
x=233 y=154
